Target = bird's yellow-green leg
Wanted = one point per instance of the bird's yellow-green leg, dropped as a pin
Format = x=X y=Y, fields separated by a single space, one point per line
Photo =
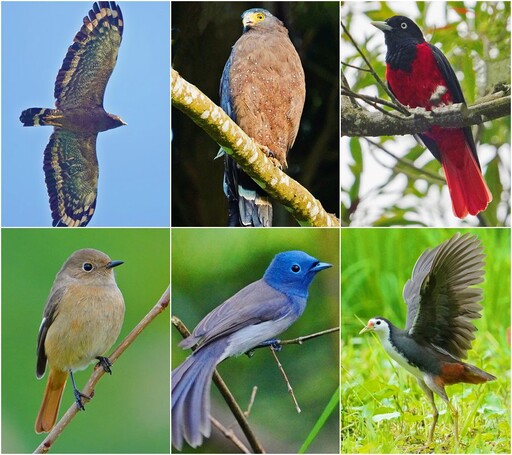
x=435 y=413
x=455 y=417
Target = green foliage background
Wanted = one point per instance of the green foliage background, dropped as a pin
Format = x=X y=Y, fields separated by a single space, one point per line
x=477 y=45
x=376 y=264
x=130 y=410
x=210 y=266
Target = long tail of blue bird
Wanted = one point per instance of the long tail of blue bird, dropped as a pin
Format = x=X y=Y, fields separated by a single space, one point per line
x=191 y=382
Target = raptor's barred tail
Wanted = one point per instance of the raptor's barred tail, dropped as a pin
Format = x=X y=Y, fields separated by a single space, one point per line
x=190 y=395
x=249 y=205
x=468 y=190
x=38 y=116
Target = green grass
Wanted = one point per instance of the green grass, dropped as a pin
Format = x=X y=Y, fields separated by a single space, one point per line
x=383 y=409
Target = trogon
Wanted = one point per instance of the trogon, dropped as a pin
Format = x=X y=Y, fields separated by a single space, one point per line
x=419 y=75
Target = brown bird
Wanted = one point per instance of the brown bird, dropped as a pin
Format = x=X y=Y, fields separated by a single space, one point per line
x=70 y=161
x=263 y=90
x=81 y=321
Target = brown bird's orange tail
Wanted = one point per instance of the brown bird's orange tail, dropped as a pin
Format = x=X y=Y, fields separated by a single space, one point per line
x=51 y=401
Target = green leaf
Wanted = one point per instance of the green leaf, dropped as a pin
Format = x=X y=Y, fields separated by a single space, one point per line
x=328 y=410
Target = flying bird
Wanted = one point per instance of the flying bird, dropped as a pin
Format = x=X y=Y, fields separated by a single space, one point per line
x=70 y=161
x=441 y=306
x=419 y=75
x=253 y=317
x=263 y=90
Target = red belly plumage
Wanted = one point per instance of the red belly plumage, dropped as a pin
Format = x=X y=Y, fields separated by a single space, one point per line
x=468 y=190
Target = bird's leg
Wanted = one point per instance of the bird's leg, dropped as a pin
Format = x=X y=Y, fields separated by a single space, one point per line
x=273 y=343
x=105 y=363
x=439 y=389
x=435 y=413
x=455 y=416
x=272 y=156
x=78 y=395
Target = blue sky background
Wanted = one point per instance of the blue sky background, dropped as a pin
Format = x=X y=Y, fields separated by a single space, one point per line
x=134 y=177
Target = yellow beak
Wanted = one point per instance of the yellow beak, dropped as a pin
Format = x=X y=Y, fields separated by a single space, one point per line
x=368 y=328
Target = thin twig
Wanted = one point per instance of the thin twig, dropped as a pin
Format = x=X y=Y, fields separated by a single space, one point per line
x=290 y=388
x=229 y=434
x=251 y=401
x=96 y=375
x=356 y=67
x=228 y=396
x=301 y=339
x=372 y=100
x=408 y=163
x=398 y=106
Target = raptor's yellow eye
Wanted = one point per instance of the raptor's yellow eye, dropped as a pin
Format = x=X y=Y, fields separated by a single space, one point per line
x=260 y=16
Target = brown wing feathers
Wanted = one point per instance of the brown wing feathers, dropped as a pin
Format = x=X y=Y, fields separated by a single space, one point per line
x=446 y=303
x=70 y=162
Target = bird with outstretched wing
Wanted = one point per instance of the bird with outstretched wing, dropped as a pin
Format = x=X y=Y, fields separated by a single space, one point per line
x=70 y=161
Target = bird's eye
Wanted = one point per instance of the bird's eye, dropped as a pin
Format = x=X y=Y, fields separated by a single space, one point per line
x=260 y=16
x=403 y=25
x=377 y=323
x=295 y=268
x=87 y=267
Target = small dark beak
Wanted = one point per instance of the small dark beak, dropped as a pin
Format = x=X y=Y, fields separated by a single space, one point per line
x=321 y=266
x=382 y=26
x=113 y=264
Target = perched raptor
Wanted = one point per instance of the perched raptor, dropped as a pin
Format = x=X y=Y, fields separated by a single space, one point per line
x=263 y=90
x=70 y=162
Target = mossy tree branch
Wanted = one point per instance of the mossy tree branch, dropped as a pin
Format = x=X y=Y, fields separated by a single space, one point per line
x=306 y=209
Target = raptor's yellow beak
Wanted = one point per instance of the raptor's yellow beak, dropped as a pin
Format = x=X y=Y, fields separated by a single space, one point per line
x=250 y=19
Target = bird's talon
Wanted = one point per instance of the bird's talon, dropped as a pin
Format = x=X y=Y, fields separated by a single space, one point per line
x=79 y=396
x=276 y=346
x=105 y=363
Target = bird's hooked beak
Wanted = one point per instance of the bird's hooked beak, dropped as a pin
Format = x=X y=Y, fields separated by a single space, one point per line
x=382 y=26
x=320 y=266
x=369 y=327
x=249 y=20
x=113 y=264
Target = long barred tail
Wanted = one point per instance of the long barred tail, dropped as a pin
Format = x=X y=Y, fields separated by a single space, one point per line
x=38 y=116
x=249 y=205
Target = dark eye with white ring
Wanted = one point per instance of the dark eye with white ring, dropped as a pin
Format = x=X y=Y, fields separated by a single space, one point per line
x=87 y=267
x=403 y=25
x=377 y=323
x=295 y=268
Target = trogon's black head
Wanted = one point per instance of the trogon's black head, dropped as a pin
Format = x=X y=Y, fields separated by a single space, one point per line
x=401 y=35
